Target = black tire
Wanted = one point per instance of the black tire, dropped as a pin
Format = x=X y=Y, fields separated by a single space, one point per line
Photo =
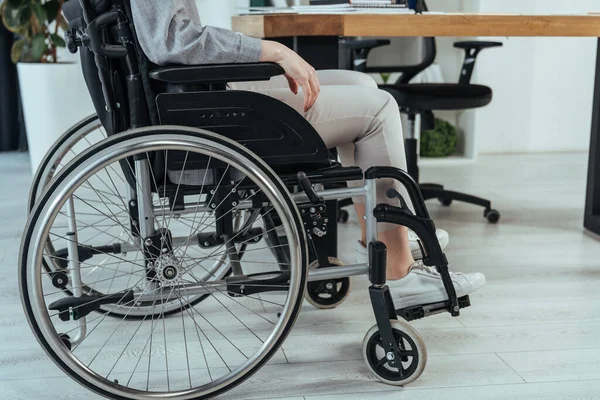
x=403 y=334
x=493 y=216
x=138 y=135
x=334 y=295
x=343 y=216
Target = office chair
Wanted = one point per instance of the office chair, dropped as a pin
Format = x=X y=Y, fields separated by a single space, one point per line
x=422 y=99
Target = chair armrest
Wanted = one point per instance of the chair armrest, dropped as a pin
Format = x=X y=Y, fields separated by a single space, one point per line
x=477 y=45
x=472 y=50
x=216 y=73
x=369 y=44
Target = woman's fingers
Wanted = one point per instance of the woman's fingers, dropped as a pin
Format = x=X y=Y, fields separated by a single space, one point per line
x=315 y=87
x=293 y=84
x=308 y=95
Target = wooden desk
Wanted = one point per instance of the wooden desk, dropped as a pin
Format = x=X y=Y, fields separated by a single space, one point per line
x=280 y=25
x=316 y=38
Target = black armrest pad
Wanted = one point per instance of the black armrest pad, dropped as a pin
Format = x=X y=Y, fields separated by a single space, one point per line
x=478 y=45
x=365 y=44
x=216 y=73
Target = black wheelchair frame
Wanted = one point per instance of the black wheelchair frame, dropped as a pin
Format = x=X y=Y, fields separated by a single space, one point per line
x=129 y=93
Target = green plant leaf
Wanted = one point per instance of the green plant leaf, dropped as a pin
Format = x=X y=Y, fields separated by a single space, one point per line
x=51 y=8
x=57 y=40
x=40 y=13
x=38 y=46
x=17 y=50
x=16 y=18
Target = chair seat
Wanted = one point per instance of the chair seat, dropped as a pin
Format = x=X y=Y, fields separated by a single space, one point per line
x=422 y=97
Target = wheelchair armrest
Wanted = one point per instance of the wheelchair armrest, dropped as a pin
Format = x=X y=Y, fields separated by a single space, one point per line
x=216 y=73
x=477 y=45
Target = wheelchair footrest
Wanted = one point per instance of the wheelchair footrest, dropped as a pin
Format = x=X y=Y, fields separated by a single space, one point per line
x=418 y=312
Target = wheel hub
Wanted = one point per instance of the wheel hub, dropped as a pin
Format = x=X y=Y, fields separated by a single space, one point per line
x=168 y=270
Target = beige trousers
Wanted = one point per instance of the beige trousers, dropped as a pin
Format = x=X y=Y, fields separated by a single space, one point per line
x=353 y=115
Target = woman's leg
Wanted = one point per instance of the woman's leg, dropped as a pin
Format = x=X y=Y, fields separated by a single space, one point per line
x=328 y=77
x=364 y=123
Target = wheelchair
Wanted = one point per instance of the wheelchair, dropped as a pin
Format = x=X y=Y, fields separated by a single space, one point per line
x=173 y=237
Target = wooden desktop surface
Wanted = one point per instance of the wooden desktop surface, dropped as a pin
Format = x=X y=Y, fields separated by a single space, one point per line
x=280 y=25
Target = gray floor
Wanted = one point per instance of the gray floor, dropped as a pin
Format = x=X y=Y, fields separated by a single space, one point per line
x=533 y=332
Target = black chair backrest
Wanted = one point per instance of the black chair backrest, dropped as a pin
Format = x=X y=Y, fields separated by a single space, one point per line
x=427 y=56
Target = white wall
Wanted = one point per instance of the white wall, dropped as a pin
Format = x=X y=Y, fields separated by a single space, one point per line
x=543 y=86
x=219 y=13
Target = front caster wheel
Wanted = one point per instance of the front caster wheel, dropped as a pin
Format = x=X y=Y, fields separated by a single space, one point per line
x=410 y=346
x=330 y=293
x=343 y=216
x=492 y=216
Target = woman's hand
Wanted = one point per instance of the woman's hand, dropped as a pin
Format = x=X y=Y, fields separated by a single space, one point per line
x=298 y=72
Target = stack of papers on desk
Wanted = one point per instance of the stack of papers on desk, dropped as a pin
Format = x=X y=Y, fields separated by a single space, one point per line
x=350 y=6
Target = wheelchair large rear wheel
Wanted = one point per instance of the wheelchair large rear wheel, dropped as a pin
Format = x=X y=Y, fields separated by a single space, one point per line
x=209 y=348
x=73 y=142
x=80 y=137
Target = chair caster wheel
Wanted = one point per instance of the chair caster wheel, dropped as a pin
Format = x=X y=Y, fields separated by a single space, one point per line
x=66 y=339
x=492 y=216
x=330 y=293
x=446 y=202
x=411 y=348
x=343 y=216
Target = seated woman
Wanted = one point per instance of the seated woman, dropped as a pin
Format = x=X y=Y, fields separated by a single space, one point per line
x=346 y=108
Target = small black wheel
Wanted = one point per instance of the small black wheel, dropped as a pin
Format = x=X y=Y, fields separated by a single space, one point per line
x=330 y=293
x=492 y=216
x=445 y=202
x=66 y=339
x=60 y=280
x=410 y=346
x=343 y=216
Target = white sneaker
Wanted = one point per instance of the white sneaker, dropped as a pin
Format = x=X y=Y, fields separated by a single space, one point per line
x=362 y=253
x=423 y=285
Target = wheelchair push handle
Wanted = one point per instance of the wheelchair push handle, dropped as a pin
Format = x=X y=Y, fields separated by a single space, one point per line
x=94 y=39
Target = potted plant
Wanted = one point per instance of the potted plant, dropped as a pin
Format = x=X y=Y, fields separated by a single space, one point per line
x=53 y=91
x=440 y=141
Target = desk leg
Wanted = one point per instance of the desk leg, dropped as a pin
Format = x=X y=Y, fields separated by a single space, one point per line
x=592 y=206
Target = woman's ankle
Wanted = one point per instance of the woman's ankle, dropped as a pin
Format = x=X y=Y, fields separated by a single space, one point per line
x=394 y=274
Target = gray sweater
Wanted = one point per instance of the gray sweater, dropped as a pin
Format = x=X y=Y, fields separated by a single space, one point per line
x=170 y=32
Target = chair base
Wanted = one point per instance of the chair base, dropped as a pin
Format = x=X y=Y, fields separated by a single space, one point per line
x=447 y=197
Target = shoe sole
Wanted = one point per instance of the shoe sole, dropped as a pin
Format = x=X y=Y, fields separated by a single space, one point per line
x=437 y=297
